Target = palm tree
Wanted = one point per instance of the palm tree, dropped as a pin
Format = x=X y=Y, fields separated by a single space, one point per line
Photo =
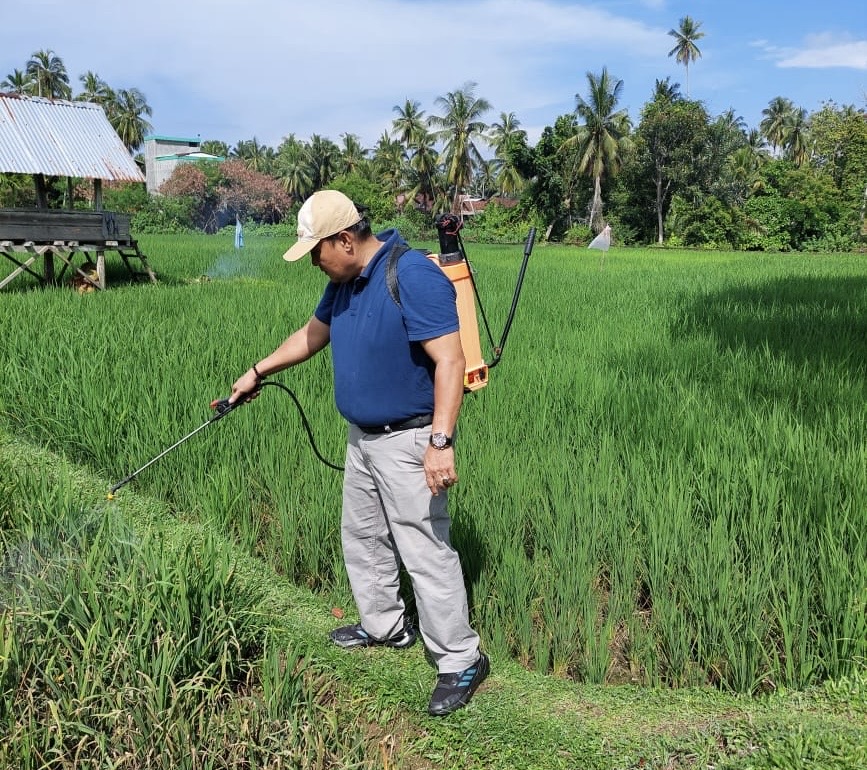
x=666 y=91
x=485 y=179
x=323 y=158
x=685 y=49
x=16 y=82
x=126 y=114
x=254 y=155
x=776 y=115
x=293 y=168
x=796 y=135
x=47 y=73
x=603 y=138
x=353 y=156
x=410 y=126
x=215 y=147
x=95 y=90
x=389 y=163
x=504 y=135
x=458 y=128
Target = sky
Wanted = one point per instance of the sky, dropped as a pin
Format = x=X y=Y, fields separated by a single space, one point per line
x=267 y=69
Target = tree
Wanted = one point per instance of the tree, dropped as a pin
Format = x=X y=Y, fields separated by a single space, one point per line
x=353 y=156
x=293 y=168
x=126 y=114
x=16 y=82
x=48 y=77
x=257 y=157
x=95 y=90
x=795 y=136
x=685 y=49
x=215 y=147
x=410 y=126
x=323 y=158
x=459 y=128
x=389 y=163
x=773 y=124
x=603 y=138
x=504 y=135
x=839 y=144
x=669 y=138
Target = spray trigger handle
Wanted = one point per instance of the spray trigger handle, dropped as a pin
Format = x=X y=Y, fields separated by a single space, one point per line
x=222 y=405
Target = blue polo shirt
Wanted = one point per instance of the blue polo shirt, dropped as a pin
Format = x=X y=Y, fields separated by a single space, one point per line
x=381 y=373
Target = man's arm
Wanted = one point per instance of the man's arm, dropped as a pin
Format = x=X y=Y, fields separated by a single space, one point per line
x=296 y=348
x=449 y=365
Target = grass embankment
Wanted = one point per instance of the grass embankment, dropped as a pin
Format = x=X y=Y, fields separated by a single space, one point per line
x=368 y=706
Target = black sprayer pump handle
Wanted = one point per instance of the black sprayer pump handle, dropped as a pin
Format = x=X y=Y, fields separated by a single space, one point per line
x=528 y=245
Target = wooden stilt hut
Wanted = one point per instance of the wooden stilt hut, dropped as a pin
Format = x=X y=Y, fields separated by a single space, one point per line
x=56 y=138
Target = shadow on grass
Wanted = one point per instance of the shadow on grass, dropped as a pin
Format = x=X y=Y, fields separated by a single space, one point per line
x=808 y=321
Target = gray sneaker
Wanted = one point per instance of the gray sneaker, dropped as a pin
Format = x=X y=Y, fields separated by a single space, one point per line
x=356 y=636
x=453 y=691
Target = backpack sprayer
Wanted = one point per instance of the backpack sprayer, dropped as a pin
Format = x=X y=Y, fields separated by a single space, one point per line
x=453 y=261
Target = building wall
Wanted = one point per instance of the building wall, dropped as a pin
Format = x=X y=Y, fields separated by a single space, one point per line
x=158 y=171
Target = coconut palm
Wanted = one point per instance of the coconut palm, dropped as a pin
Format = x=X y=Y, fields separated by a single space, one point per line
x=685 y=49
x=126 y=114
x=603 y=138
x=256 y=156
x=48 y=77
x=215 y=147
x=503 y=135
x=776 y=115
x=666 y=91
x=458 y=128
x=353 y=156
x=390 y=163
x=94 y=89
x=293 y=168
x=323 y=158
x=16 y=82
x=796 y=136
x=410 y=126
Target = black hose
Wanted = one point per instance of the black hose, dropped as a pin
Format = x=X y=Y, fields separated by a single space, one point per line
x=304 y=421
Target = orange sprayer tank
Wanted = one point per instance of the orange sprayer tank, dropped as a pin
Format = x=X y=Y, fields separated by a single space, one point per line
x=458 y=272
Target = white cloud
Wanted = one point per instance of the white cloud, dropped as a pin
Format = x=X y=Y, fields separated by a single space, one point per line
x=822 y=51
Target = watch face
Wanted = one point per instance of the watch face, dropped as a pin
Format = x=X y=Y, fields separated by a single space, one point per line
x=439 y=440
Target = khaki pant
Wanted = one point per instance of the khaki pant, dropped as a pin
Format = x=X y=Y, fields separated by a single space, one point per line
x=390 y=517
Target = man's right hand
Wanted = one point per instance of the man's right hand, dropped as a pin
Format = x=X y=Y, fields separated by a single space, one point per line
x=247 y=387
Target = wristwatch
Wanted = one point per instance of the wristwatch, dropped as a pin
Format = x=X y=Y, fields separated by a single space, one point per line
x=440 y=440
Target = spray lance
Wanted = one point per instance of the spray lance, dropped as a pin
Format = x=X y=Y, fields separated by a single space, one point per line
x=221 y=408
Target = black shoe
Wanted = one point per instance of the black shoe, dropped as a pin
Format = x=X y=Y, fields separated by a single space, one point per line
x=356 y=636
x=453 y=691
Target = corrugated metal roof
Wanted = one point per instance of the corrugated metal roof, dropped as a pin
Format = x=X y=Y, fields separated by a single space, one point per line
x=60 y=138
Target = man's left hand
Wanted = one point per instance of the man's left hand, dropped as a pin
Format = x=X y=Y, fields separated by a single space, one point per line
x=439 y=469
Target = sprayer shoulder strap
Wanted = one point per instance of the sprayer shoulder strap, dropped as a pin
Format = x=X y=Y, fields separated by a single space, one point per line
x=397 y=251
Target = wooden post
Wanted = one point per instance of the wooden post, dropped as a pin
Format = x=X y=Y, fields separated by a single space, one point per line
x=48 y=267
x=97 y=194
x=41 y=196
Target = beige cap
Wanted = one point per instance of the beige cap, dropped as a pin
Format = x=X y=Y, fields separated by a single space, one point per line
x=325 y=213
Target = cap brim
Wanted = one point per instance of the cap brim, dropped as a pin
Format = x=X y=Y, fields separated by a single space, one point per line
x=303 y=247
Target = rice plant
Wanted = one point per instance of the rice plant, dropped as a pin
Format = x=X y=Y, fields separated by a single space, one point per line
x=664 y=482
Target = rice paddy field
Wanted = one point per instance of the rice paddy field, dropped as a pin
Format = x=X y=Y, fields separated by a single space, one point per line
x=663 y=487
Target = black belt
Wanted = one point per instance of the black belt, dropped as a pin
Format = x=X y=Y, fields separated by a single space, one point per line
x=422 y=421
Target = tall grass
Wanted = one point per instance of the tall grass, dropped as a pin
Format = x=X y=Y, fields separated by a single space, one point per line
x=117 y=650
x=664 y=482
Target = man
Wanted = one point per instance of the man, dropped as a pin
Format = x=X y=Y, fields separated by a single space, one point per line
x=398 y=381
